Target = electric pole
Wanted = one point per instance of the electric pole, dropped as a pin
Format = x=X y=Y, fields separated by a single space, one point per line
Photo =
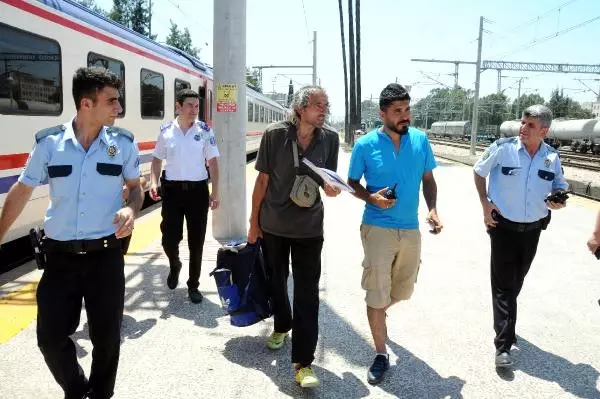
x=229 y=54
x=517 y=113
x=150 y=18
x=358 y=77
x=351 y=51
x=474 y=124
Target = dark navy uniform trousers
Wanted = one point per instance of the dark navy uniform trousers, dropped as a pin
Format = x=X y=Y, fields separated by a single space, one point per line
x=98 y=279
x=511 y=256
x=187 y=199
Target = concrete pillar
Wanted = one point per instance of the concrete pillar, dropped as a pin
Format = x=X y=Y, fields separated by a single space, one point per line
x=229 y=55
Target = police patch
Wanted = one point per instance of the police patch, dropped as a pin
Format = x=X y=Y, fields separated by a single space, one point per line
x=485 y=155
x=212 y=140
x=547 y=162
x=197 y=137
x=112 y=151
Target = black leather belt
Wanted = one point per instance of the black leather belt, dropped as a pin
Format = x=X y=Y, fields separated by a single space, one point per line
x=80 y=247
x=183 y=184
x=518 y=227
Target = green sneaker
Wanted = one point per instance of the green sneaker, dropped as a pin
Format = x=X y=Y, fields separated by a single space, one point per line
x=276 y=340
x=306 y=378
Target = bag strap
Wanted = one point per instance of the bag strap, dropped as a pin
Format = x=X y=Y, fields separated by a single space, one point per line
x=295 y=152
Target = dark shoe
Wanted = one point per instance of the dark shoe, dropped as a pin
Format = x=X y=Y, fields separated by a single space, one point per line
x=173 y=278
x=195 y=295
x=380 y=365
x=503 y=360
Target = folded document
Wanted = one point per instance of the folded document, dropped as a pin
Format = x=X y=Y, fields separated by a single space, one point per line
x=329 y=176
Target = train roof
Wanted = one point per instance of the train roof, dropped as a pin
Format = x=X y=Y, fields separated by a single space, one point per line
x=451 y=123
x=84 y=14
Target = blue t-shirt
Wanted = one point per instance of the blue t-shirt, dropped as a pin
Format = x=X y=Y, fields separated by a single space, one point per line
x=375 y=157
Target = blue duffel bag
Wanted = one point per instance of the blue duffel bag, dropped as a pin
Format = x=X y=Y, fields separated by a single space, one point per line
x=242 y=283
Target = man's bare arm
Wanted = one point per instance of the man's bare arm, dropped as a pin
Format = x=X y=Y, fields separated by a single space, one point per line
x=136 y=195
x=15 y=202
x=430 y=190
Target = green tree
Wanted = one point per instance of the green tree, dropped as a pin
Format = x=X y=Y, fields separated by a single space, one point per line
x=526 y=100
x=91 y=4
x=369 y=112
x=181 y=40
x=563 y=106
x=443 y=104
x=139 y=17
x=121 y=12
x=253 y=79
x=493 y=109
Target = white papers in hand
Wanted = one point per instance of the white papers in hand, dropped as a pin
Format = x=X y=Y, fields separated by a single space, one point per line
x=329 y=176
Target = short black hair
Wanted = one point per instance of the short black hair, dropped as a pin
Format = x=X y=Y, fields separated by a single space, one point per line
x=392 y=92
x=186 y=93
x=89 y=80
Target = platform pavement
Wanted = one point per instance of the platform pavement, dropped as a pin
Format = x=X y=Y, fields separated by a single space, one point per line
x=440 y=341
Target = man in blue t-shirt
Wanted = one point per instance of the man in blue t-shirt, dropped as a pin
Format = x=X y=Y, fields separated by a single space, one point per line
x=394 y=160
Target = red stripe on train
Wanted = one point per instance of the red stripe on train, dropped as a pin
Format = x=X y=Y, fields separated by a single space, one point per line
x=14 y=161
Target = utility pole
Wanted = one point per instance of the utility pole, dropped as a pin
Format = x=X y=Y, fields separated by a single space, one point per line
x=517 y=113
x=474 y=124
x=456 y=64
x=149 y=18
x=358 y=77
x=351 y=51
x=229 y=54
x=314 y=65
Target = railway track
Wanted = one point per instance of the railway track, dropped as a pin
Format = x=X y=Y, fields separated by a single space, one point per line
x=568 y=158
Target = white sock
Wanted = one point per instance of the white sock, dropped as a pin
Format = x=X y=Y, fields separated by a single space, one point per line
x=384 y=354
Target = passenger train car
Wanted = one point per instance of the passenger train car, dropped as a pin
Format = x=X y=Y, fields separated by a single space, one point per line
x=581 y=135
x=43 y=42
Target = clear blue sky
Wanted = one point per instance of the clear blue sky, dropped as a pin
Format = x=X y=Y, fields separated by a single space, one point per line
x=394 y=31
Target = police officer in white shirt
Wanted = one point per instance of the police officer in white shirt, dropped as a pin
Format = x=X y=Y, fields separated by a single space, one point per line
x=186 y=145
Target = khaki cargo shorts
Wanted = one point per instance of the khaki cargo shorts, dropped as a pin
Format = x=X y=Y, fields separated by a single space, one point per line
x=391 y=264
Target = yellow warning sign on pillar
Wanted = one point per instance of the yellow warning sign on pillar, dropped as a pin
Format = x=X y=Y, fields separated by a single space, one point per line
x=227 y=97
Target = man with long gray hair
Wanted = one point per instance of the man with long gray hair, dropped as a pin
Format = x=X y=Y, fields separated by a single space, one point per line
x=523 y=172
x=287 y=212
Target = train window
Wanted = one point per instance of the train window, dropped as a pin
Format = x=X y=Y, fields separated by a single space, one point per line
x=180 y=85
x=115 y=66
x=30 y=73
x=152 y=89
x=250 y=111
x=202 y=105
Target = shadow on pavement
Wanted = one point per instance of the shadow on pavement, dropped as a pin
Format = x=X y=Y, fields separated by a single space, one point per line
x=577 y=379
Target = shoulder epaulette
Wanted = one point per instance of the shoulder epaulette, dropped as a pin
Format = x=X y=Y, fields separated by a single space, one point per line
x=50 y=131
x=505 y=140
x=550 y=148
x=165 y=125
x=203 y=126
x=121 y=131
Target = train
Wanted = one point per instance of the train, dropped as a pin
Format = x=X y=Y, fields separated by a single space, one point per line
x=582 y=135
x=451 y=129
x=43 y=42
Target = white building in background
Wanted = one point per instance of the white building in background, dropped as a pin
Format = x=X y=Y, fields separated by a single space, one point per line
x=594 y=107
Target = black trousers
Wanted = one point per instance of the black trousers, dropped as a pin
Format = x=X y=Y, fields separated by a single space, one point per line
x=191 y=202
x=306 y=271
x=98 y=278
x=511 y=256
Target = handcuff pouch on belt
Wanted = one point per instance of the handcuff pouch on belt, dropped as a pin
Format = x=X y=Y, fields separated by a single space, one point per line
x=36 y=239
x=305 y=190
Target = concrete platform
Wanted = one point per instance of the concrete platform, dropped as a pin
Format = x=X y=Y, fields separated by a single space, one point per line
x=440 y=341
